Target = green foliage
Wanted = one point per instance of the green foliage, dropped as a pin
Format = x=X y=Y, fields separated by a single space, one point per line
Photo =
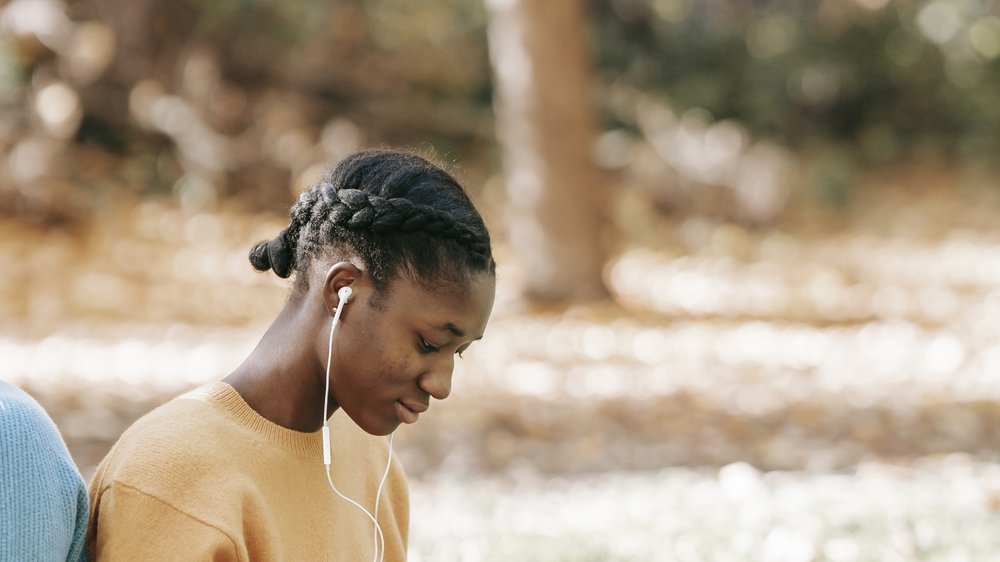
x=257 y=19
x=12 y=73
x=882 y=83
x=843 y=84
x=439 y=43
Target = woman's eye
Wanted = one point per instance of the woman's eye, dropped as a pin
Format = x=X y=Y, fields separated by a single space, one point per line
x=426 y=347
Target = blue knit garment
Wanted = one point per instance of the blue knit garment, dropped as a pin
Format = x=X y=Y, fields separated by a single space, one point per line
x=43 y=500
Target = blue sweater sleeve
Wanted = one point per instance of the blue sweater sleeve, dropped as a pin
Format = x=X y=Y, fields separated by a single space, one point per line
x=43 y=499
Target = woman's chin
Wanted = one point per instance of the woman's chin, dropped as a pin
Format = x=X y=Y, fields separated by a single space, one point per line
x=379 y=427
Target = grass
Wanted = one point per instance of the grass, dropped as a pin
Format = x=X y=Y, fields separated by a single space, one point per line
x=943 y=509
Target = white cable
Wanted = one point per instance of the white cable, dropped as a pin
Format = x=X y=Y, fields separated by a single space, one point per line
x=378 y=494
x=326 y=394
x=379 y=538
x=380 y=543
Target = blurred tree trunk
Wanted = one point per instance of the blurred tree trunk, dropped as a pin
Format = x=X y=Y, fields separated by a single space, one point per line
x=545 y=125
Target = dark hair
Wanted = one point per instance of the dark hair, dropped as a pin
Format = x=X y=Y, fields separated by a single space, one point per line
x=397 y=212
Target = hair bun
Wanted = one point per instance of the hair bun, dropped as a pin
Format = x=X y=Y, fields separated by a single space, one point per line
x=276 y=254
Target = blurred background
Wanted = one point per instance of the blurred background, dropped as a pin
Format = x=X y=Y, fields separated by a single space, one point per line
x=749 y=256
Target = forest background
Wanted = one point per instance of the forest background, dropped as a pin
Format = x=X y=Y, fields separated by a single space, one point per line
x=748 y=251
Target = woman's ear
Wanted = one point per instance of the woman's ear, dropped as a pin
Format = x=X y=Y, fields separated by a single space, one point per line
x=341 y=274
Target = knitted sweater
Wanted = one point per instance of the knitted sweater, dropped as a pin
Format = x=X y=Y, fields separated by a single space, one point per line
x=43 y=501
x=204 y=477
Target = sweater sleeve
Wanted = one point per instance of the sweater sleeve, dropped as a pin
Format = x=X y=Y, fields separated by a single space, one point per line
x=43 y=513
x=130 y=524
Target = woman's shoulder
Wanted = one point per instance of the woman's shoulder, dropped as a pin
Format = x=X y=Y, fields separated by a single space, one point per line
x=181 y=417
x=18 y=407
x=43 y=496
x=169 y=446
x=174 y=464
x=25 y=423
x=30 y=442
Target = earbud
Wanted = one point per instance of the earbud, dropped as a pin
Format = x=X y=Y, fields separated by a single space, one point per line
x=345 y=293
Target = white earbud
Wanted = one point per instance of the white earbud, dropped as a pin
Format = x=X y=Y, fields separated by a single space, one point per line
x=345 y=293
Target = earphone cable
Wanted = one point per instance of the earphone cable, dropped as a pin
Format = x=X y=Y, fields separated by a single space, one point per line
x=329 y=360
x=379 y=538
x=380 y=542
x=378 y=494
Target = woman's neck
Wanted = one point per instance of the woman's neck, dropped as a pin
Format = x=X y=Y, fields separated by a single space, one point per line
x=282 y=378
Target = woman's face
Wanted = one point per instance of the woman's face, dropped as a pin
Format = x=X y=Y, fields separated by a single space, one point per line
x=390 y=360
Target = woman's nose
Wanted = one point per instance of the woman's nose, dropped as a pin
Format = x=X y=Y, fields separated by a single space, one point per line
x=437 y=381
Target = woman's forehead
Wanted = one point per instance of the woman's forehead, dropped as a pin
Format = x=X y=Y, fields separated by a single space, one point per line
x=455 y=307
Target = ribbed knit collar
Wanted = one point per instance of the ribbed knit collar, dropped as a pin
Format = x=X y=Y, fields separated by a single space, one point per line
x=296 y=442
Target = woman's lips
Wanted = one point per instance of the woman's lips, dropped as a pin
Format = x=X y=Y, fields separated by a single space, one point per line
x=405 y=413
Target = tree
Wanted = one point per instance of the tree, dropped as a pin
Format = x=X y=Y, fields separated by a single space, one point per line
x=545 y=126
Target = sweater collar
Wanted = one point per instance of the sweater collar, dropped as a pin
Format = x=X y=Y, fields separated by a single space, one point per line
x=225 y=396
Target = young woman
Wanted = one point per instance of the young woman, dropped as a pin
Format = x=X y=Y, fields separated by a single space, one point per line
x=394 y=277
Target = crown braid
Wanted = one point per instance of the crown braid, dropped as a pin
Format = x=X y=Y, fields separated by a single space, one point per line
x=357 y=210
x=394 y=210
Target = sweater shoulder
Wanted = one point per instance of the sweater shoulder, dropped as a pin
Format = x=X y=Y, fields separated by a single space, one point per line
x=171 y=446
x=29 y=434
x=22 y=417
x=43 y=501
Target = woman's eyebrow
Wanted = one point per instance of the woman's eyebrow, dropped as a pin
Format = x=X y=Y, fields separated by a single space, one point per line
x=451 y=327
x=454 y=329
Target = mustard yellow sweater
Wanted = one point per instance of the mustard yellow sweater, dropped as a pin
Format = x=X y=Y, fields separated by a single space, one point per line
x=204 y=477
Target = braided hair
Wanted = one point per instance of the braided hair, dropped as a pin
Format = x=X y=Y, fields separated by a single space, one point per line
x=397 y=212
